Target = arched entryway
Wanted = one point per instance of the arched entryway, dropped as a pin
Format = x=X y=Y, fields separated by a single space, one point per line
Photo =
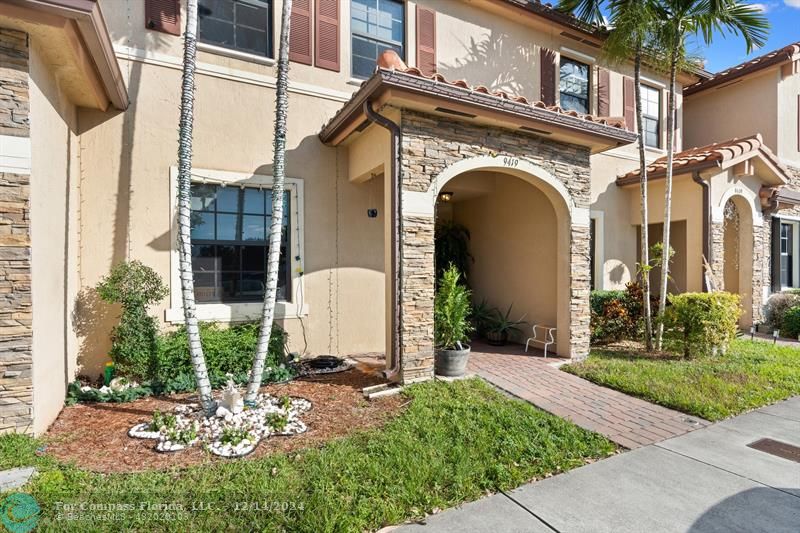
x=737 y=230
x=519 y=218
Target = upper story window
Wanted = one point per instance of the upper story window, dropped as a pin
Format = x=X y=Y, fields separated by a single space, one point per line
x=241 y=25
x=574 y=85
x=651 y=116
x=230 y=232
x=375 y=26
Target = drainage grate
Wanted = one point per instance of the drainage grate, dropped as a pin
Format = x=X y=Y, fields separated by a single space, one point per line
x=776 y=447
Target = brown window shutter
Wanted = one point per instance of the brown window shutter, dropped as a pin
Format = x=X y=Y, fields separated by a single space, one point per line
x=326 y=26
x=548 y=71
x=629 y=103
x=426 y=40
x=163 y=16
x=300 y=32
x=603 y=102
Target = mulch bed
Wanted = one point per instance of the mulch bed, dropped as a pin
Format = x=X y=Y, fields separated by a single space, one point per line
x=94 y=436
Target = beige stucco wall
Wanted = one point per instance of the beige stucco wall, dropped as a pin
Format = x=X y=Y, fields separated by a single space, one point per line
x=54 y=233
x=687 y=205
x=513 y=240
x=739 y=110
x=788 y=147
x=125 y=167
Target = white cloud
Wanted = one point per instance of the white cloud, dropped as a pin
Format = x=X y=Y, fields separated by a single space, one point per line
x=764 y=8
x=792 y=3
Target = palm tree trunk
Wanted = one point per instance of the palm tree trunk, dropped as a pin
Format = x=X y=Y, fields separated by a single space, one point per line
x=276 y=226
x=645 y=262
x=665 y=254
x=185 y=132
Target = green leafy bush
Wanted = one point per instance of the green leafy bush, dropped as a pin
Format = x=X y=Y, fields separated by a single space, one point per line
x=616 y=315
x=791 y=322
x=702 y=323
x=777 y=306
x=134 y=343
x=451 y=310
x=227 y=351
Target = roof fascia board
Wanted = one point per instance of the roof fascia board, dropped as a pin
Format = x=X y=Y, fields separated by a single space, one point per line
x=94 y=35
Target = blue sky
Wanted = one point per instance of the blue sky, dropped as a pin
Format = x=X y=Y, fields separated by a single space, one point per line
x=729 y=50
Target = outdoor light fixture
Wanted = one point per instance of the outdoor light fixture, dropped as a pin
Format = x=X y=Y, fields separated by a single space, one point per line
x=445 y=196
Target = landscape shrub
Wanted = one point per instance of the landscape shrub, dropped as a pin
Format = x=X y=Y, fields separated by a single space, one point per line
x=451 y=309
x=791 y=323
x=616 y=315
x=227 y=351
x=134 y=341
x=777 y=306
x=702 y=323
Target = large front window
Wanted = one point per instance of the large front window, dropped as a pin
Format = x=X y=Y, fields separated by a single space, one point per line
x=230 y=230
x=574 y=85
x=241 y=25
x=375 y=26
x=651 y=114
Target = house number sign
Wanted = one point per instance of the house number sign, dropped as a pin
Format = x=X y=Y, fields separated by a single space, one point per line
x=512 y=162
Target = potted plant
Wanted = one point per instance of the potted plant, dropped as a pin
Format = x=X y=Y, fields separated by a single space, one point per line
x=501 y=326
x=481 y=317
x=451 y=325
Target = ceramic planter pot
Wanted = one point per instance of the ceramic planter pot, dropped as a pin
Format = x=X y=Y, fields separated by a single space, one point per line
x=451 y=363
x=497 y=339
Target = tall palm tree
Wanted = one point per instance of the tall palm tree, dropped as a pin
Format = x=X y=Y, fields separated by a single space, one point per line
x=631 y=23
x=684 y=18
x=185 y=132
x=276 y=226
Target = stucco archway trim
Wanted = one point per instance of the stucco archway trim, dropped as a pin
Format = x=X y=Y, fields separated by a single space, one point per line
x=746 y=194
x=417 y=203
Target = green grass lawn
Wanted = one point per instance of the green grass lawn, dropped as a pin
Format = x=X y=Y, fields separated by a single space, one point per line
x=453 y=443
x=750 y=375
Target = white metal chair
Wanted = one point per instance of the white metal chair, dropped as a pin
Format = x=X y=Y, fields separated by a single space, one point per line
x=544 y=335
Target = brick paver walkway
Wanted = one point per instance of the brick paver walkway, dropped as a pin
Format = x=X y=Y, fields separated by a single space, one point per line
x=626 y=420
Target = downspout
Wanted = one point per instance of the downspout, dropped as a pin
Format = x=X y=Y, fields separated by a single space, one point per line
x=391 y=373
x=706 y=224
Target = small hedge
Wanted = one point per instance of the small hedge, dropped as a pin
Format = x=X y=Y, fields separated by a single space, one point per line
x=227 y=351
x=777 y=307
x=615 y=315
x=702 y=323
x=791 y=323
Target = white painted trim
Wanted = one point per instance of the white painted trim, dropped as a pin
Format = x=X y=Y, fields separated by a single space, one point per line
x=237 y=312
x=15 y=154
x=651 y=81
x=738 y=189
x=518 y=167
x=599 y=249
x=237 y=75
x=574 y=54
x=236 y=54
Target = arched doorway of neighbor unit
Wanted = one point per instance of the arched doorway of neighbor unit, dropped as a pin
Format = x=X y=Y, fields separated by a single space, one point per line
x=518 y=216
x=737 y=244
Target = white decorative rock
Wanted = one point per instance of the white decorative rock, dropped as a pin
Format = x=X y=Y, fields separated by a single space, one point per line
x=143 y=431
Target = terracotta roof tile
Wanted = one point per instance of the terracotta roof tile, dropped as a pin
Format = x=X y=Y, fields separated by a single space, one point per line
x=754 y=65
x=705 y=156
x=390 y=60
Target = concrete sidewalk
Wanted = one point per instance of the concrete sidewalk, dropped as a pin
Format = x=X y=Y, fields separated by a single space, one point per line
x=702 y=482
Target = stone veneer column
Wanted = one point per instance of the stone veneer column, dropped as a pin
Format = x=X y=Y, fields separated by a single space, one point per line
x=16 y=387
x=430 y=144
x=717 y=259
x=580 y=289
